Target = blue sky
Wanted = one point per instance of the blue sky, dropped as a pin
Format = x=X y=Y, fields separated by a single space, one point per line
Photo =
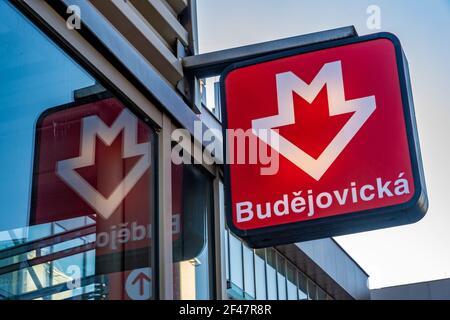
x=413 y=253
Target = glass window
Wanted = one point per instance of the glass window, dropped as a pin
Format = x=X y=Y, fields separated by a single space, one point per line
x=191 y=214
x=77 y=193
x=302 y=286
x=281 y=277
x=321 y=295
x=225 y=232
x=49 y=78
x=271 y=273
x=249 y=273
x=291 y=282
x=210 y=95
x=227 y=255
x=260 y=274
x=312 y=290
x=236 y=267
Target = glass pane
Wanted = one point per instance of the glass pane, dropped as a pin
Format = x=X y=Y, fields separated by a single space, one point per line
x=77 y=200
x=302 y=286
x=291 y=282
x=249 y=273
x=191 y=211
x=49 y=78
x=321 y=295
x=236 y=268
x=260 y=274
x=52 y=281
x=312 y=290
x=210 y=95
x=281 y=280
x=227 y=255
x=271 y=275
x=225 y=231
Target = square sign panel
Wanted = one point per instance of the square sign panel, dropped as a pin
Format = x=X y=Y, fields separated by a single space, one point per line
x=321 y=141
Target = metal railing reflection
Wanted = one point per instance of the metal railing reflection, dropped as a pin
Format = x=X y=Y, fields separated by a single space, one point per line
x=51 y=261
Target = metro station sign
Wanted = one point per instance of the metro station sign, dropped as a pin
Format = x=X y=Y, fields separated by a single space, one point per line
x=336 y=120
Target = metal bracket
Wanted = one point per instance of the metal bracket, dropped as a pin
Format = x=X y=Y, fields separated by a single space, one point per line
x=213 y=63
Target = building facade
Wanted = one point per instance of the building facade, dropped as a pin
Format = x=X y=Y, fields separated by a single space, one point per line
x=144 y=226
x=427 y=290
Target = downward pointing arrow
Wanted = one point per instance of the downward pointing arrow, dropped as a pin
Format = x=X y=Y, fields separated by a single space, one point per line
x=287 y=83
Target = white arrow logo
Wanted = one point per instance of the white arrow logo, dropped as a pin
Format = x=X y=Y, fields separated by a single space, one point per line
x=92 y=127
x=287 y=83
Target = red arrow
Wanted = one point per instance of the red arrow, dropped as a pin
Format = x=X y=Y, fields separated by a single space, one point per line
x=141 y=277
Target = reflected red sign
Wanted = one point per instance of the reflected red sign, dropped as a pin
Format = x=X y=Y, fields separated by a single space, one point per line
x=94 y=159
x=339 y=119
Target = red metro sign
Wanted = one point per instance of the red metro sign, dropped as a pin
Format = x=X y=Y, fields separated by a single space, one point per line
x=338 y=120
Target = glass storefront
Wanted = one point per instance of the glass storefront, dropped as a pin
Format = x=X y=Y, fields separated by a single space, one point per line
x=88 y=230
x=77 y=189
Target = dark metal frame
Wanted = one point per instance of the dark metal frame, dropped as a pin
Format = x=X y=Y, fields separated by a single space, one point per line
x=213 y=63
x=408 y=212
